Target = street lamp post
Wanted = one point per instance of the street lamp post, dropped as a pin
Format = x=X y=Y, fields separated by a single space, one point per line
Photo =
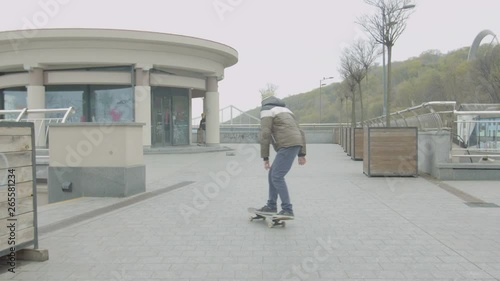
x=383 y=63
x=320 y=105
x=385 y=42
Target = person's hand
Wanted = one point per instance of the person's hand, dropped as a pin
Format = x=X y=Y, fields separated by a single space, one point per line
x=267 y=166
x=302 y=160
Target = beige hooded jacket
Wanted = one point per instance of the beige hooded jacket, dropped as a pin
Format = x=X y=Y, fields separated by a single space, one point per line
x=279 y=127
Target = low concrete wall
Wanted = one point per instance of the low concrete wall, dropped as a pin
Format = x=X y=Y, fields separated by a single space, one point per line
x=319 y=136
x=433 y=158
x=252 y=136
x=239 y=137
x=99 y=160
x=433 y=148
x=468 y=171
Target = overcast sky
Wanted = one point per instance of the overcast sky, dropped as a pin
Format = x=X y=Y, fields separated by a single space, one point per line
x=291 y=43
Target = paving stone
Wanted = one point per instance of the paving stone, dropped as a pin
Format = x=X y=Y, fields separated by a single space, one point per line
x=347 y=227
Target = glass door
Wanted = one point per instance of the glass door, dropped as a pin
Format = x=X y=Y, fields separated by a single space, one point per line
x=161 y=120
x=180 y=111
x=170 y=116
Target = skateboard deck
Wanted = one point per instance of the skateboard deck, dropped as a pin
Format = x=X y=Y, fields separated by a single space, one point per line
x=272 y=221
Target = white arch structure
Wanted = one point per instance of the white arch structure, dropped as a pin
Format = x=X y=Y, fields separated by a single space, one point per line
x=477 y=42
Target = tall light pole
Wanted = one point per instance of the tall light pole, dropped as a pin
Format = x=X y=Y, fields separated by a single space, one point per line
x=385 y=42
x=320 y=105
x=383 y=63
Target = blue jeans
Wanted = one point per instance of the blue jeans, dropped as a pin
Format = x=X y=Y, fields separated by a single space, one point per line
x=277 y=185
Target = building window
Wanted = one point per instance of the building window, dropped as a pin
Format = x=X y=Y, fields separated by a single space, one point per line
x=92 y=103
x=13 y=98
x=64 y=97
x=111 y=103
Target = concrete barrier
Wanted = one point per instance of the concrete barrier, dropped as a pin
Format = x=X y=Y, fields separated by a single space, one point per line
x=95 y=160
x=251 y=135
x=433 y=148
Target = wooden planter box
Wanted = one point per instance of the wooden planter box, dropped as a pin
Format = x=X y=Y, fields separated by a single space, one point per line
x=357 y=147
x=390 y=151
x=336 y=135
x=344 y=139
x=348 y=142
x=17 y=187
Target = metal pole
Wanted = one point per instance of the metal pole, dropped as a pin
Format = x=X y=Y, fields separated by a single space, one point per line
x=383 y=64
x=321 y=84
x=320 y=101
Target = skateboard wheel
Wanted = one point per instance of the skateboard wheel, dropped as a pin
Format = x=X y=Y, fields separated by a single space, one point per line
x=270 y=224
x=283 y=224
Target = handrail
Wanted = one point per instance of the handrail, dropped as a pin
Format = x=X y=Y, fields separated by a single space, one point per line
x=21 y=114
x=66 y=115
x=41 y=123
x=241 y=114
x=430 y=106
x=25 y=111
x=497 y=113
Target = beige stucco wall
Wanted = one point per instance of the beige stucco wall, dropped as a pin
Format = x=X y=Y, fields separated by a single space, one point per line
x=96 y=145
x=14 y=80
x=86 y=77
x=177 y=81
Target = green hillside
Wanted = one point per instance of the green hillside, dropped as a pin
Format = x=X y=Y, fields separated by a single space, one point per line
x=432 y=76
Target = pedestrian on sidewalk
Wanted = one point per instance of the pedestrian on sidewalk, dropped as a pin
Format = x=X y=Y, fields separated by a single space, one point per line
x=201 y=130
x=279 y=127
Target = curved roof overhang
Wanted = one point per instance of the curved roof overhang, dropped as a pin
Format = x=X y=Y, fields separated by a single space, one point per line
x=74 y=47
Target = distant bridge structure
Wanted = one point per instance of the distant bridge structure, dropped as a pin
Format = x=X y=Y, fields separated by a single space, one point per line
x=477 y=42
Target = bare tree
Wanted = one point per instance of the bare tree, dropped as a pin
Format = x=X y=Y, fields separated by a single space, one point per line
x=341 y=108
x=385 y=28
x=363 y=55
x=348 y=66
x=347 y=94
x=366 y=53
x=351 y=84
x=353 y=70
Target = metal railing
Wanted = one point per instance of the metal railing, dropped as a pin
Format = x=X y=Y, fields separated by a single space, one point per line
x=474 y=128
x=426 y=116
x=230 y=116
x=41 y=123
x=476 y=136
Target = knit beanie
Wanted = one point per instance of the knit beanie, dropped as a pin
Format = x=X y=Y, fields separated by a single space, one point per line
x=267 y=94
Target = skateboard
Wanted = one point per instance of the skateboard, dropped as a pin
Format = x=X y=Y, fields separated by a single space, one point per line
x=272 y=221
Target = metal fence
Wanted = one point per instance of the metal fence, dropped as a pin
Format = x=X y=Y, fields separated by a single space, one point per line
x=40 y=119
x=232 y=116
x=474 y=128
x=476 y=134
x=427 y=116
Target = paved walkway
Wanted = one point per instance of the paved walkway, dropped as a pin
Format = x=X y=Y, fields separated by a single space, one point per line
x=347 y=226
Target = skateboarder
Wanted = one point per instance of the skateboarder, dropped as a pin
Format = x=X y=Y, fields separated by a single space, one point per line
x=279 y=128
